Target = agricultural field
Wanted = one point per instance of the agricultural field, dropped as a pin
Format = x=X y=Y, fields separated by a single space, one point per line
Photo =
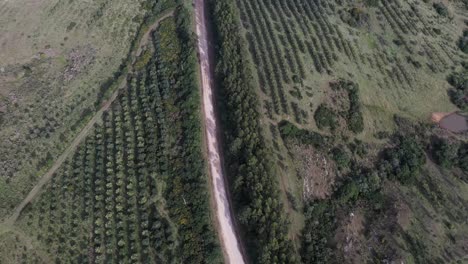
x=235 y=131
x=396 y=51
x=344 y=93
x=135 y=189
x=56 y=69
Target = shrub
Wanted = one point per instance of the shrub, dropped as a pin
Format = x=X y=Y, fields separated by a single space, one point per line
x=463 y=157
x=341 y=157
x=290 y=131
x=463 y=42
x=349 y=192
x=445 y=153
x=325 y=118
x=441 y=9
x=404 y=161
x=459 y=93
x=319 y=229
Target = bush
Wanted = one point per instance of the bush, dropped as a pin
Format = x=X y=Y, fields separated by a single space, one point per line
x=349 y=192
x=441 y=9
x=341 y=157
x=404 y=161
x=290 y=131
x=372 y=3
x=463 y=157
x=319 y=228
x=445 y=153
x=325 y=118
x=459 y=93
x=463 y=42
x=353 y=115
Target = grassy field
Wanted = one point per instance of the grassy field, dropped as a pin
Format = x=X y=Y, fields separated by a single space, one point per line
x=398 y=53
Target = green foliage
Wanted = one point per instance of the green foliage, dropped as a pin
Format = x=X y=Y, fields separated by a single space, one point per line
x=441 y=9
x=459 y=93
x=341 y=157
x=404 y=161
x=463 y=42
x=255 y=191
x=445 y=153
x=372 y=3
x=290 y=131
x=463 y=157
x=353 y=116
x=325 y=118
x=349 y=192
x=292 y=200
x=356 y=16
x=318 y=231
x=136 y=190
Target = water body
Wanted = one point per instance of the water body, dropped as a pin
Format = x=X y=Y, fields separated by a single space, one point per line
x=455 y=122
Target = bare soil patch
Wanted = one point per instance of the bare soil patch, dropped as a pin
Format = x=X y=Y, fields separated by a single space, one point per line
x=316 y=170
x=350 y=236
x=437 y=116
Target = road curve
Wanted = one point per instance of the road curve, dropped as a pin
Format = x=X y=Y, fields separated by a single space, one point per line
x=226 y=229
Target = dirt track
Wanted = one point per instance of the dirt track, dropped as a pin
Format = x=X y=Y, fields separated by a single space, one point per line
x=83 y=133
x=226 y=228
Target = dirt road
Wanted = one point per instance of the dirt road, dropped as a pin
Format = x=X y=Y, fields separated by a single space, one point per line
x=226 y=229
x=83 y=133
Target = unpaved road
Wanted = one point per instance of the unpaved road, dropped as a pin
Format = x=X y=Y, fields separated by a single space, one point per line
x=83 y=133
x=226 y=229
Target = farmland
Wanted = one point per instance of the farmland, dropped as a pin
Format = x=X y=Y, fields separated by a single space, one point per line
x=211 y=131
x=136 y=188
x=57 y=68
x=338 y=95
x=395 y=50
x=121 y=196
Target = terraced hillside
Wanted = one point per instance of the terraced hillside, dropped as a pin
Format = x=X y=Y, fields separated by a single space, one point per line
x=136 y=189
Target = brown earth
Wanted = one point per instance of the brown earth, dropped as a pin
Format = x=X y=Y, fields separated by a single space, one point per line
x=350 y=238
x=316 y=171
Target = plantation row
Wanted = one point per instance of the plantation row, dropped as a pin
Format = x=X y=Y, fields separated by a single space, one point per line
x=257 y=205
x=289 y=40
x=136 y=190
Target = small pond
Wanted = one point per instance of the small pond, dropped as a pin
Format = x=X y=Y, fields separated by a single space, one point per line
x=455 y=122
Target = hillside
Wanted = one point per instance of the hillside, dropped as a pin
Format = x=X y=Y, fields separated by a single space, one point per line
x=135 y=186
x=234 y=131
x=342 y=88
x=57 y=67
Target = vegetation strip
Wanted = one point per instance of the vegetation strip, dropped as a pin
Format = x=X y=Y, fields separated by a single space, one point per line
x=255 y=192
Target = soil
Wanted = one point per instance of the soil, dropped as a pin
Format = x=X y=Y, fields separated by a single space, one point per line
x=350 y=238
x=437 y=116
x=316 y=171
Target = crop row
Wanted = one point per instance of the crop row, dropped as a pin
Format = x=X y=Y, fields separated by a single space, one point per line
x=132 y=193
